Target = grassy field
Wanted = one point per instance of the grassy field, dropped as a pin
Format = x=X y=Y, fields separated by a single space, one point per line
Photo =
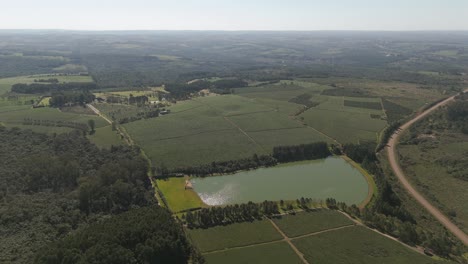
x=310 y=222
x=235 y=235
x=434 y=157
x=356 y=245
x=104 y=137
x=275 y=253
x=177 y=197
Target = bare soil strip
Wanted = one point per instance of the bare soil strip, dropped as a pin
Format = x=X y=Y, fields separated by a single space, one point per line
x=393 y=159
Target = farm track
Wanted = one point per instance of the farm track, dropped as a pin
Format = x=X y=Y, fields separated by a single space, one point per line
x=245 y=133
x=393 y=160
x=288 y=240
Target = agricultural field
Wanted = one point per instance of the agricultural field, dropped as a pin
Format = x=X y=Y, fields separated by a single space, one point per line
x=275 y=253
x=234 y=235
x=177 y=197
x=257 y=118
x=357 y=245
x=48 y=117
x=316 y=238
x=310 y=222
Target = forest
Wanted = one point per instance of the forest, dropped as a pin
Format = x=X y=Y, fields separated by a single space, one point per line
x=53 y=185
x=145 y=235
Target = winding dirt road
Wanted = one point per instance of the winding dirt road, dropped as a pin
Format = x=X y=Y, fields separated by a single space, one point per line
x=393 y=159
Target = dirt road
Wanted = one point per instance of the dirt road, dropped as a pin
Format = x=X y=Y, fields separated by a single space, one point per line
x=393 y=159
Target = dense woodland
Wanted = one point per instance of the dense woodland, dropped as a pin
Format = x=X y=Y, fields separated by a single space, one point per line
x=145 y=235
x=52 y=185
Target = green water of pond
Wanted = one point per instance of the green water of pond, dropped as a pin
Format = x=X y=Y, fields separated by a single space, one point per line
x=332 y=177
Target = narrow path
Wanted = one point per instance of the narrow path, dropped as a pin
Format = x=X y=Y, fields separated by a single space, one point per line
x=97 y=112
x=121 y=130
x=245 y=133
x=393 y=159
x=240 y=247
x=288 y=240
x=323 y=231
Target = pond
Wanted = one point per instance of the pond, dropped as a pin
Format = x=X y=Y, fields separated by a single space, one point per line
x=332 y=177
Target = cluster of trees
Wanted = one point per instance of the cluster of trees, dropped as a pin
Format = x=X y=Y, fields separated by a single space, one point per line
x=39 y=88
x=184 y=90
x=138 y=100
x=360 y=152
x=215 y=216
x=318 y=150
x=50 y=80
x=145 y=235
x=56 y=123
x=222 y=167
x=458 y=114
x=139 y=116
x=304 y=99
x=61 y=99
x=387 y=133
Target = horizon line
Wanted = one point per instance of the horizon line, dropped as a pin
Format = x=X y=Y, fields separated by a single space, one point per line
x=237 y=30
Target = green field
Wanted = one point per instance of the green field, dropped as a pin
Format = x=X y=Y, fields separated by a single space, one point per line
x=104 y=137
x=310 y=222
x=177 y=196
x=17 y=116
x=357 y=245
x=275 y=253
x=234 y=235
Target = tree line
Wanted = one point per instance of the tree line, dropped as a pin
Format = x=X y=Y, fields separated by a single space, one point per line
x=317 y=150
x=215 y=216
x=221 y=167
x=39 y=88
x=55 y=123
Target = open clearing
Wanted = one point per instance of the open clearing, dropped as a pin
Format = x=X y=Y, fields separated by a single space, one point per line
x=104 y=137
x=356 y=245
x=234 y=235
x=177 y=197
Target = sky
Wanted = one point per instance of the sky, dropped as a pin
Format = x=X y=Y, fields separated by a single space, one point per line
x=302 y=15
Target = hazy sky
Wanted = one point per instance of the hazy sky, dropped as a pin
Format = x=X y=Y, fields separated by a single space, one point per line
x=235 y=14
